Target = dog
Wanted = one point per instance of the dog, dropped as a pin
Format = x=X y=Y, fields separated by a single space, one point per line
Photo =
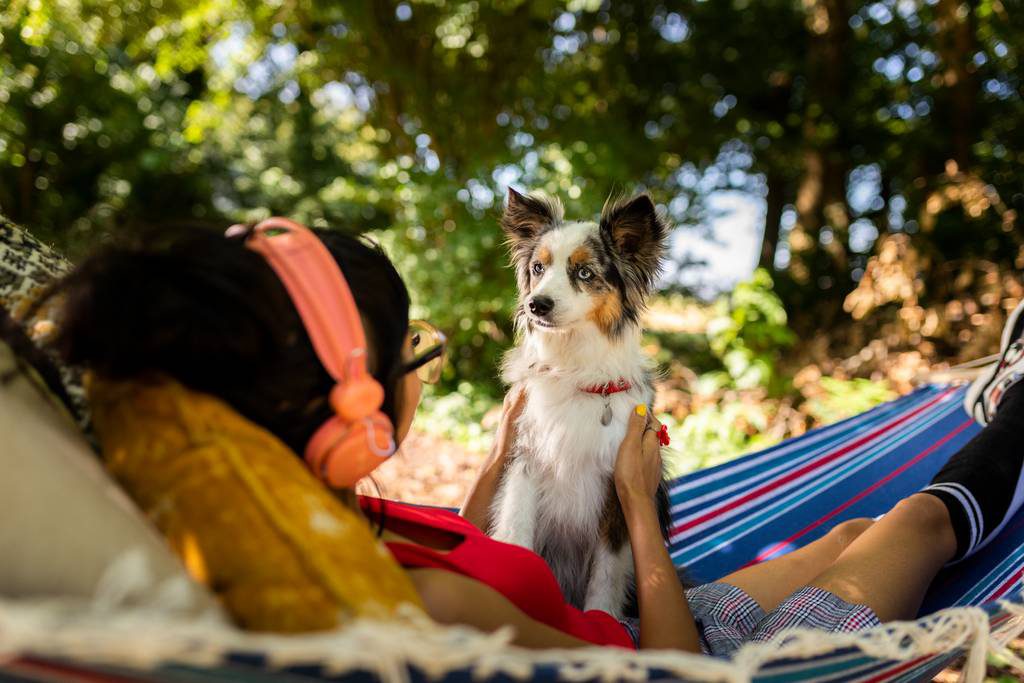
x=582 y=289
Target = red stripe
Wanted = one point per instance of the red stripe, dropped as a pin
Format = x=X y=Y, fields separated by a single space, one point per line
x=28 y=673
x=890 y=673
x=806 y=469
x=1014 y=580
x=999 y=621
x=1018 y=573
x=860 y=496
x=67 y=673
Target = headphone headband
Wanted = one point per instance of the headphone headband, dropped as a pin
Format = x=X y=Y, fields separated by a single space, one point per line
x=319 y=291
x=358 y=437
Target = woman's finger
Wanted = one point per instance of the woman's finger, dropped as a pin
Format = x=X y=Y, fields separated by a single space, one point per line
x=637 y=423
x=515 y=401
x=512 y=406
x=651 y=442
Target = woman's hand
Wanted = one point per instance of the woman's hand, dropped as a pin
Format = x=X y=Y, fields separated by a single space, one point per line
x=665 y=619
x=505 y=437
x=638 y=469
x=477 y=507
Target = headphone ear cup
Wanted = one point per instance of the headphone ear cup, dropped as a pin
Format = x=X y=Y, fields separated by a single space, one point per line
x=340 y=453
x=320 y=444
x=358 y=398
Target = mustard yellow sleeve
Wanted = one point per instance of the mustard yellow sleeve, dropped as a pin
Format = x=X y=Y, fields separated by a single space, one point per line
x=243 y=512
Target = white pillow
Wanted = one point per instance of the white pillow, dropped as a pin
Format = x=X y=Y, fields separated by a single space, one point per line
x=66 y=529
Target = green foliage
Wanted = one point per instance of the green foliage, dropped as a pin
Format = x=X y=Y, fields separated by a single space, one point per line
x=691 y=347
x=458 y=416
x=714 y=434
x=840 y=399
x=408 y=119
x=749 y=332
x=722 y=430
x=740 y=401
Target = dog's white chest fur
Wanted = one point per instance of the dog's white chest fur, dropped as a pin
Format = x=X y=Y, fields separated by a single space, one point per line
x=569 y=453
x=554 y=494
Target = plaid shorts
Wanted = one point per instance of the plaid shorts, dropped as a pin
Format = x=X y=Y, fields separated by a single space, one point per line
x=727 y=617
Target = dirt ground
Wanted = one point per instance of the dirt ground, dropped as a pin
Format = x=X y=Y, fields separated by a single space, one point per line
x=429 y=470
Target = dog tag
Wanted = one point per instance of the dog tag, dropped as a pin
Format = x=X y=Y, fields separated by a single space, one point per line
x=606 y=416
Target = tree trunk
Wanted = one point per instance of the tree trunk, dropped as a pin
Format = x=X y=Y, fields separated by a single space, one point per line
x=837 y=216
x=775 y=203
x=803 y=239
x=957 y=45
x=819 y=264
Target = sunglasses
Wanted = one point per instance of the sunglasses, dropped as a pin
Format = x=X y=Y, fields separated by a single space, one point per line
x=429 y=348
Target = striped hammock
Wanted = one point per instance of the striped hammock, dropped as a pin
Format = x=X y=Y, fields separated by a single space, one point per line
x=726 y=517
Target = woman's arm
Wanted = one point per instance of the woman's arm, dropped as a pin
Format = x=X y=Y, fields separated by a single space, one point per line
x=665 y=618
x=477 y=507
x=455 y=599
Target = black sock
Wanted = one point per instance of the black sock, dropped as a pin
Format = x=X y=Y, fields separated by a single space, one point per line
x=982 y=485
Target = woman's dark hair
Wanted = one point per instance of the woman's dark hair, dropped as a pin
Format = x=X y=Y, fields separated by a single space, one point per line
x=212 y=314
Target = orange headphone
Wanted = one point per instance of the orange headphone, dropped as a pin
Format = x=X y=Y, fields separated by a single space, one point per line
x=359 y=437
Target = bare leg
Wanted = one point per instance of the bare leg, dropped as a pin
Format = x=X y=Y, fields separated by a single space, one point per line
x=890 y=566
x=771 y=582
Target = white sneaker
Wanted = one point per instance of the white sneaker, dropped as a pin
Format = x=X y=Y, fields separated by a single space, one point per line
x=983 y=396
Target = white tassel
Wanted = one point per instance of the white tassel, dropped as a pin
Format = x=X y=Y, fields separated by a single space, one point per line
x=144 y=638
x=974 y=667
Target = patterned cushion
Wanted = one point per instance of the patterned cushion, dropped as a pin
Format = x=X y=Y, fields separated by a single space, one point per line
x=27 y=267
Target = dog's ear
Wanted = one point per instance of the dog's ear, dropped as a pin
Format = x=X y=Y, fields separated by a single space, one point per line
x=638 y=234
x=634 y=225
x=527 y=216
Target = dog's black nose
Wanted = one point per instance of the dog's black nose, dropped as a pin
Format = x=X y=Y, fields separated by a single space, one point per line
x=541 y=305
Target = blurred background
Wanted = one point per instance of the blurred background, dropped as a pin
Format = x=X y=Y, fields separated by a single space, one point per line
x=845 y=177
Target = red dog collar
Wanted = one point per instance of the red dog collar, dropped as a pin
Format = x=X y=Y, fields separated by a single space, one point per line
x=608 y=388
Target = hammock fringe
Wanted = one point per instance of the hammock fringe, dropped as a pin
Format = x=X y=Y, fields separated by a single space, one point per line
x=148 y=639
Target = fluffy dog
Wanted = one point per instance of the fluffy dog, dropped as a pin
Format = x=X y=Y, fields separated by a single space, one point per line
x=582 y=289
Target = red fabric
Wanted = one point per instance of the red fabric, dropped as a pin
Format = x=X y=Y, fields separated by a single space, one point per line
x=517 y=573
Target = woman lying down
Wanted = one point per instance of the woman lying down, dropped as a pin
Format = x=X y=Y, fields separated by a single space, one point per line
x=215 y=360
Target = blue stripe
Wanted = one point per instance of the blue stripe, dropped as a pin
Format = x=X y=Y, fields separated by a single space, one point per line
x=755 y=476
x=821 y=440
x=719 y=490
x=854 y=472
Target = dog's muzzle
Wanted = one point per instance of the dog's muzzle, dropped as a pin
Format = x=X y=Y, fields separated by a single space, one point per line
x=541 y=306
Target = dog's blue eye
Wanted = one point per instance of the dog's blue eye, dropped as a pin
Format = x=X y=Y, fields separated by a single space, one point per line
x=585 y=273
x=538 y=268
